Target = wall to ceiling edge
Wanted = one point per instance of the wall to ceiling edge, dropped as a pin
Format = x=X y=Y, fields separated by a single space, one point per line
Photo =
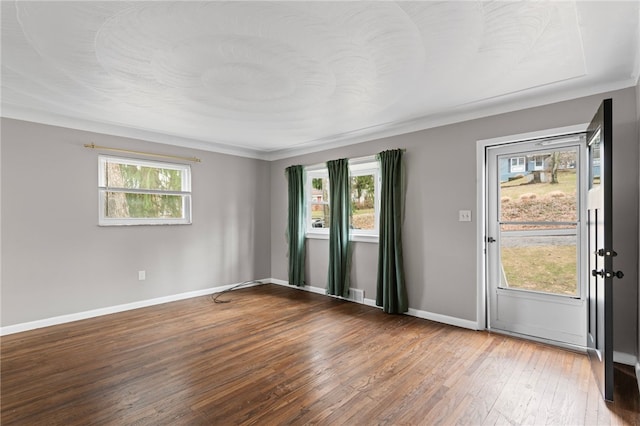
x=440 y=251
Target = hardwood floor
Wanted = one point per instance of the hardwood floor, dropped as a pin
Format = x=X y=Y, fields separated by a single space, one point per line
x=277 y=355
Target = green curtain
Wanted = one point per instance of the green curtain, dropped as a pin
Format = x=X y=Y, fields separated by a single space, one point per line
x=391 y=291
x=340 y=212
x=295 y=225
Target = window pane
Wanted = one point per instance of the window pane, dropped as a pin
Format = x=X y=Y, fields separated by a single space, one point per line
x=546 y=190
x=363 y=202
x=129 y=176
x=517 y=164
x=545 y=263
x=594 y=161
x=320 y=215
x=120 y=205
x=143 y=192
x=320 y=190
x=363 y=182
x=319 y=202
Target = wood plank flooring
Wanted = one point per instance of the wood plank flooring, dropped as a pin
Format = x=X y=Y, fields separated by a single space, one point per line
x=277 y=355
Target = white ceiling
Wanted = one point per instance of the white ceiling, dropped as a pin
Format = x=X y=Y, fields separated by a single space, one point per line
x=273 y=79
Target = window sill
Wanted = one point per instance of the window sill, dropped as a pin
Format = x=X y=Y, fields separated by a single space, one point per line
x=357 y=238
x=365 y=238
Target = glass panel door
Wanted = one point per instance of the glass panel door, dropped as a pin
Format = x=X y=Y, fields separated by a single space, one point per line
x=538 y=222
x=535 y=283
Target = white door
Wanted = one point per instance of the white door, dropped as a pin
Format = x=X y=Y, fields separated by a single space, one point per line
x=535 y=228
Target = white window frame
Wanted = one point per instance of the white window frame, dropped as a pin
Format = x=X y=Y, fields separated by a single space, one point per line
x=538 y=162
x=185 y=192
x=517 y=167
x=362 y=167
x=314 y=173
x=357 y=167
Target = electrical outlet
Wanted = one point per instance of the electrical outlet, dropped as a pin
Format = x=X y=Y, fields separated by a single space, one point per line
x=464 y=216
x=142 y=275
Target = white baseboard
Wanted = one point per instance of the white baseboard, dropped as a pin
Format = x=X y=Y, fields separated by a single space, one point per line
x=62 y=319
x=371 y=302
x=638 y=374
x=458 y=322
x=619 y=357
x=280 y=282
x=317 y=290
x=625 y=358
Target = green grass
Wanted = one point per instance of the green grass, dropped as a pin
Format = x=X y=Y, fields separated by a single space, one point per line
x=550 y=269
x=363 y=211
x=515 y=188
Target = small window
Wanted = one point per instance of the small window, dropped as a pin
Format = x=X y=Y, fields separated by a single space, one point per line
x=365 y=187
x=141 y=192
x=517 y=165
x=364 y=196
x=318 y=197
x=538 y=162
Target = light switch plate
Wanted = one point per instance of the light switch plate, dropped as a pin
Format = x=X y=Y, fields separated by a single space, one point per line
x=464 y=216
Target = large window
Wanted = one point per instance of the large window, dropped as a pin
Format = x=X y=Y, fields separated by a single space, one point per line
x=141 y=192
x=364 y=177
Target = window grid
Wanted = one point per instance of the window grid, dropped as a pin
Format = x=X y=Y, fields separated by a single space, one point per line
x=317 y=223
x=142 y=192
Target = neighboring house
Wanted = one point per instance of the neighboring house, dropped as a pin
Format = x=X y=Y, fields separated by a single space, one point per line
x=528 y=166
x=316 y=195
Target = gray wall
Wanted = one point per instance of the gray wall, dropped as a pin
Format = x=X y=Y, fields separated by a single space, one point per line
x=56 y=260
x=440 y=252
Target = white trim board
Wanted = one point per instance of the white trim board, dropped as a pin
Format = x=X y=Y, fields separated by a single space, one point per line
x=619 y=357
x=62 y=319
x=622 y=358
x=445 y=319
x=625 y=358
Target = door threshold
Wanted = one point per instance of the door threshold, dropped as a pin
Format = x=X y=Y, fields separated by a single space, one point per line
x=563 y=345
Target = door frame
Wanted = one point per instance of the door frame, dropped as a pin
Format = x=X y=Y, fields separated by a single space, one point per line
x=481 y=223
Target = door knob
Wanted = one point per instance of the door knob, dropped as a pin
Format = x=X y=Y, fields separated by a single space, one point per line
x=602 y=252
x=491 y=240
x=607 y=274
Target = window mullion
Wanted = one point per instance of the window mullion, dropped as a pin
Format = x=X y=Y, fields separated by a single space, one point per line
x=143 y=191
x=119 y=205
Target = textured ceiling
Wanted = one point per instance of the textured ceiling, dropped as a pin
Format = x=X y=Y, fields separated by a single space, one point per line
x=270 y=79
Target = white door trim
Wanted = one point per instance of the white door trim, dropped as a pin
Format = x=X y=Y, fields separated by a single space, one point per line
x=481 y=223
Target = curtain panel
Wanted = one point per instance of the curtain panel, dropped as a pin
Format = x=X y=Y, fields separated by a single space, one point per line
x=340 y=211
x=296 y=225
x=391 y=292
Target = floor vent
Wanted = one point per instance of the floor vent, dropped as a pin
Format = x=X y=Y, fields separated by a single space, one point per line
x=356 y=295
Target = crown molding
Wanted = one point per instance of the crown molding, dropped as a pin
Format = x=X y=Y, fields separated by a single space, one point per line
x=486 y=108
x=500 y=105
x=112 y=129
